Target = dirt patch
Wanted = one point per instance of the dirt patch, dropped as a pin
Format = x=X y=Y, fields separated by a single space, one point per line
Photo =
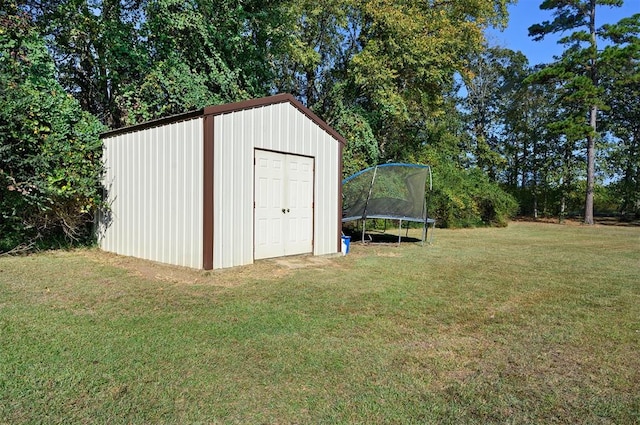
x=233 y=276
x=304 y=261
x=388 y=254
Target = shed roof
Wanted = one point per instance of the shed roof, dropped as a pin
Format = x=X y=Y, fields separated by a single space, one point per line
x=229 y=108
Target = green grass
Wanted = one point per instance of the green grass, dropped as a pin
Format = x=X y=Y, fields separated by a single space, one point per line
x=533 y=323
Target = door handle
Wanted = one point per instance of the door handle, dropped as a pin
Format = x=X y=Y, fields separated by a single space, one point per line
x=284 y=211
x=287 y=209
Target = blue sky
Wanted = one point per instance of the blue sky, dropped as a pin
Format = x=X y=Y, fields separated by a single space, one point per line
x=526 y=13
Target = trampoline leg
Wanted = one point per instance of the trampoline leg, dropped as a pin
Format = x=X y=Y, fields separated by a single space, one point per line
x=426 y=233
x=433 y=228
x=364 y=222
x=399 y=232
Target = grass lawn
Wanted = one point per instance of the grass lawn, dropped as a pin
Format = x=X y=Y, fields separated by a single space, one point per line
x=533 y=323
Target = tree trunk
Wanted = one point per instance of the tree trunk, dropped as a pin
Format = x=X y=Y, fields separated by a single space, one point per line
x=310 y=88
x=591 y=170
x=593 y=115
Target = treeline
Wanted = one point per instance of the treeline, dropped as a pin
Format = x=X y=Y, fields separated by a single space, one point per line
x=386 y=74
x=562 y=137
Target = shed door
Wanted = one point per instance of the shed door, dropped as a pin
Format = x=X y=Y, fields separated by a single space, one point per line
x=283 y=216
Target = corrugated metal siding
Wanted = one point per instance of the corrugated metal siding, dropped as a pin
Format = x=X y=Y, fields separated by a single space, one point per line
x=281 y=128
x=154 y=183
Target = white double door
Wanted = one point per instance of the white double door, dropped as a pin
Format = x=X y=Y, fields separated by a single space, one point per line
x=283 y=213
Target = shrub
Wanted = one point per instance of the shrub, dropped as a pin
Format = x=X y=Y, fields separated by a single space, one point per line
x=466 y=198
x=49 y=148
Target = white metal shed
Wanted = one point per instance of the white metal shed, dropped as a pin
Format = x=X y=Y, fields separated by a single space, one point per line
x=223 y=186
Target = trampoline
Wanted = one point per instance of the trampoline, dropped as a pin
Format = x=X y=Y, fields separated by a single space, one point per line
x=394 y=191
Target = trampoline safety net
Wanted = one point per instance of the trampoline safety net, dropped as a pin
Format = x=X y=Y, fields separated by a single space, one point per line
x=388 y=191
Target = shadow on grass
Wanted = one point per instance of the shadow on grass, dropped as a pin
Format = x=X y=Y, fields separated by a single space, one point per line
x=381 y=237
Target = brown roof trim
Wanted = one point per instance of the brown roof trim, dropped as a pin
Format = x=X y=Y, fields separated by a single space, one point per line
x=153 y=123
x=227 y=108
x=272 y=100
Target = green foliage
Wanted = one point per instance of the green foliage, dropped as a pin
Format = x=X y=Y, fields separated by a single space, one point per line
x=50 y=148
x=576 y=76
x=409 y=53
x=192 y=38
x=383 y=73
x=168 y=89
x=130 y=61
x=362 y=149
x=466 y=198
x=377 y=71
x=491 y=81
x=96 y=50
x=534 y=129
x=351 y=122
x=313 y=37
x=607 y=200
x=621 y=79
x=462 y=196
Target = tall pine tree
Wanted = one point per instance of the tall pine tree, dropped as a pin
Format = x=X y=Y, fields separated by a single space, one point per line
x=576 y=74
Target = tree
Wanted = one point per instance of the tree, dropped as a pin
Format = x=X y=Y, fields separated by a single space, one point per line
x=621 y=83
x=49 y=148
x=361 y=150
x=576 y=74
x=403 y=76
x=491 y=82
x=131 y=61
x=409 y=53
x=96 y=48
x=186 y=67
x=312 y=48
x=380 y=71
x=462 y=196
